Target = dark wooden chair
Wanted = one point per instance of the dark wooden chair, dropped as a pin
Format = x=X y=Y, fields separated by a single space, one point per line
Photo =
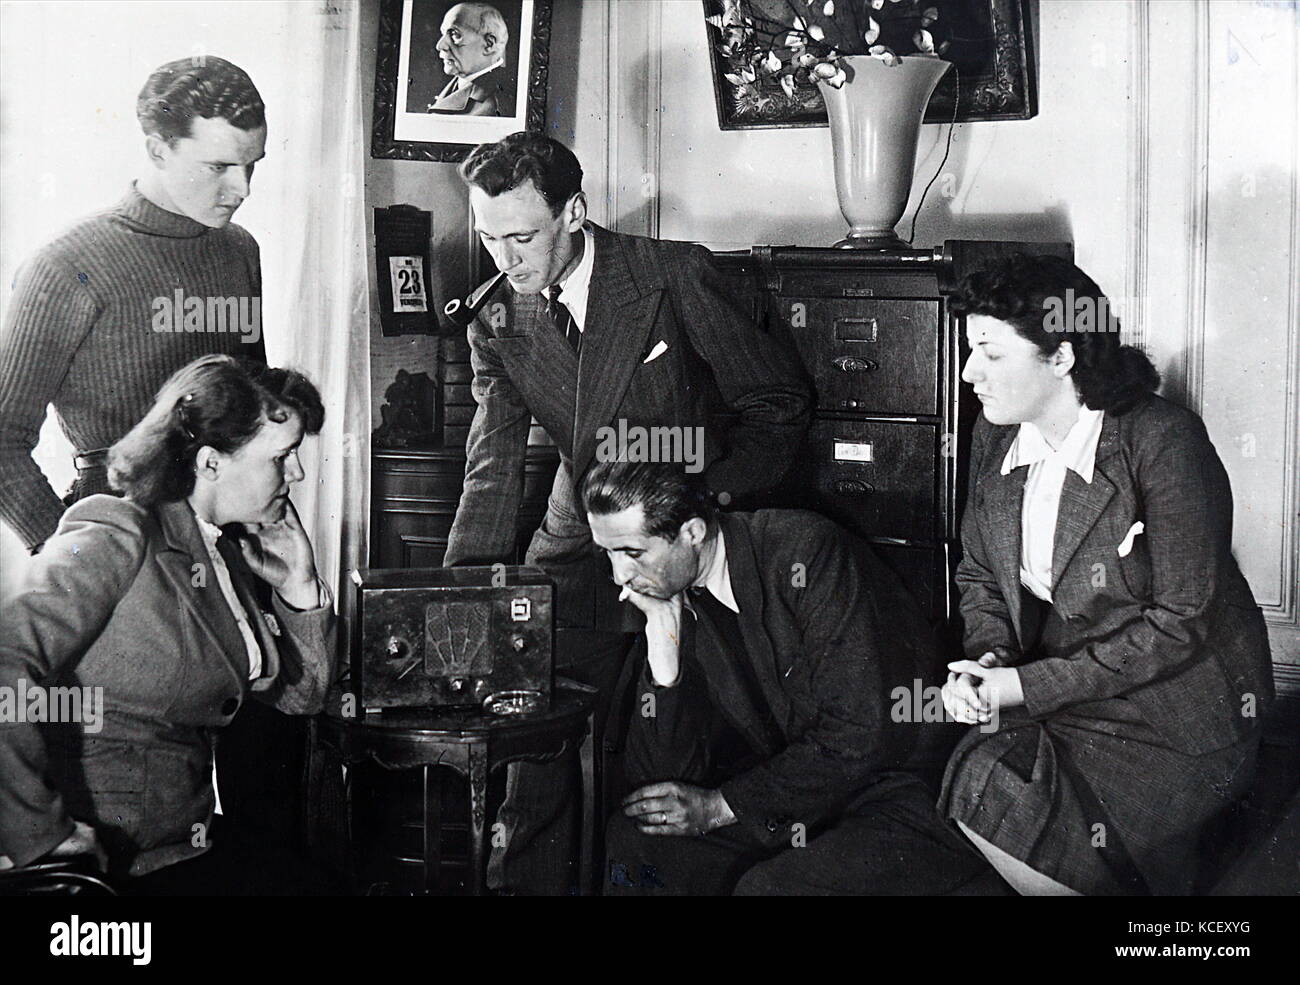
x=75 y=876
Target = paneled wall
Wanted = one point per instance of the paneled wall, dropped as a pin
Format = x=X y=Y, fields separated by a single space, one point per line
x=1212 y=260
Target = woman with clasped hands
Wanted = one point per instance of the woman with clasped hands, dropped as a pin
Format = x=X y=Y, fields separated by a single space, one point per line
x=180 y=601
x=1119 y=666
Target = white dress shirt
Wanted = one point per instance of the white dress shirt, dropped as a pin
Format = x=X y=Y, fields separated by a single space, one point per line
x=716 y=576
x=1043 y=485
x=576 y=288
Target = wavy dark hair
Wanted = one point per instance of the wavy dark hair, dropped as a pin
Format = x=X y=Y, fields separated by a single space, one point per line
x=525 y=156
x=203 y=86
x=217 y=401
x=1037 y=296
x=668 y=494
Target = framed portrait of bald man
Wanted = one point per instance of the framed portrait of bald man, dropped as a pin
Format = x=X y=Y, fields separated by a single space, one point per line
x=450 y=75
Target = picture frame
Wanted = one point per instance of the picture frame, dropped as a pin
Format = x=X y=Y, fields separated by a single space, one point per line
x=423 y=112
x=996 y=77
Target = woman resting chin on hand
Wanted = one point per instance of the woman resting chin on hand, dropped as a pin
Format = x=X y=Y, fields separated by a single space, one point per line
x=178 y=602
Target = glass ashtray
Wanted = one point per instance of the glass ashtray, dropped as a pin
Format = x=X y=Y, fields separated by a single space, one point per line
x=512 y=702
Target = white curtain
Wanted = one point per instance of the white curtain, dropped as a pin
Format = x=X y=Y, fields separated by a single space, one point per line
x=316 y=309
x=70 y=144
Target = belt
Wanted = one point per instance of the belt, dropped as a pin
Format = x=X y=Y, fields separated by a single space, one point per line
x=96 y=458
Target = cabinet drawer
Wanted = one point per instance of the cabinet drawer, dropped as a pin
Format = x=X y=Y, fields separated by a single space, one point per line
x=870 y=354
x=877 y=478
x=412 y=538
x=407 y=539
x=423 y=486
x=422 y=552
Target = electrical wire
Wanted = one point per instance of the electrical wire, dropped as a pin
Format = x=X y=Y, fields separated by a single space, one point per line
x=952 y=125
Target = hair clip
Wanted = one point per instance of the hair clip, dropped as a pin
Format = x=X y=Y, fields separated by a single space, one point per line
x=182 y=411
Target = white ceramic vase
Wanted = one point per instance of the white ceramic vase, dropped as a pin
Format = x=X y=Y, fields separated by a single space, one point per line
x=875 y=119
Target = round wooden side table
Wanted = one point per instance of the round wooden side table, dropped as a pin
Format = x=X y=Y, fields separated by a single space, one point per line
x=473 y=744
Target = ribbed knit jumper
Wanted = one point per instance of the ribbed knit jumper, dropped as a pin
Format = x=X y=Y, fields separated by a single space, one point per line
x=83 y=333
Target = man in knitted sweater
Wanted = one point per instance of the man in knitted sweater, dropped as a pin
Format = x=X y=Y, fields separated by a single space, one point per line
x=103 y=314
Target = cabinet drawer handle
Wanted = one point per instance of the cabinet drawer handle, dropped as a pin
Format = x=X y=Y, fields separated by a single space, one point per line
x=853 y=364
x=853 y=487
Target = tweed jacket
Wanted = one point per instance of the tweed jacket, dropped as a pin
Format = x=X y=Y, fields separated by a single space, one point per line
x=830 y=635
x=1159 y=614
x=716 y=369
x=123 y=598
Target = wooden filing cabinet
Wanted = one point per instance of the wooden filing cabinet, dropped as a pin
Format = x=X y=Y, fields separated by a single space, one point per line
x=414 y=493
x=886 y=451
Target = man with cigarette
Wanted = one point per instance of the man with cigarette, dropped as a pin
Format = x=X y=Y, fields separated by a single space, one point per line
x=762 y=746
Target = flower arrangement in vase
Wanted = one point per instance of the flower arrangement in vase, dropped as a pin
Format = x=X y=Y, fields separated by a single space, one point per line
x=772 y=48
x=876 y=64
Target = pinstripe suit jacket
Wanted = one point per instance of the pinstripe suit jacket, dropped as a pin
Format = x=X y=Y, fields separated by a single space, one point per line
x=1172 y=626
x=719 y=371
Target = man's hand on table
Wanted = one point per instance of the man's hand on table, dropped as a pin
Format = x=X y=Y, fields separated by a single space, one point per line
x=672 y=808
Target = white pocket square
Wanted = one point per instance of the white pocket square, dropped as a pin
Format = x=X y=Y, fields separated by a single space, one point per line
x=1126 y=545
x=660 y=348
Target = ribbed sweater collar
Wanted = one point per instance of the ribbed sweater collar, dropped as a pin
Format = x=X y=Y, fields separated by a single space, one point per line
x=143 y=215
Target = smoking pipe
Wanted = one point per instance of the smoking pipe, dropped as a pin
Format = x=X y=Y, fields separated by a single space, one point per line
x=461 y=311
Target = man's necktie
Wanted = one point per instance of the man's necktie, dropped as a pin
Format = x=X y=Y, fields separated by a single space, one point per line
x=563 y=318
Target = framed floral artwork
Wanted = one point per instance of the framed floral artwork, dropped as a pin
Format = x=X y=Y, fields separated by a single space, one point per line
x=764 y=54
